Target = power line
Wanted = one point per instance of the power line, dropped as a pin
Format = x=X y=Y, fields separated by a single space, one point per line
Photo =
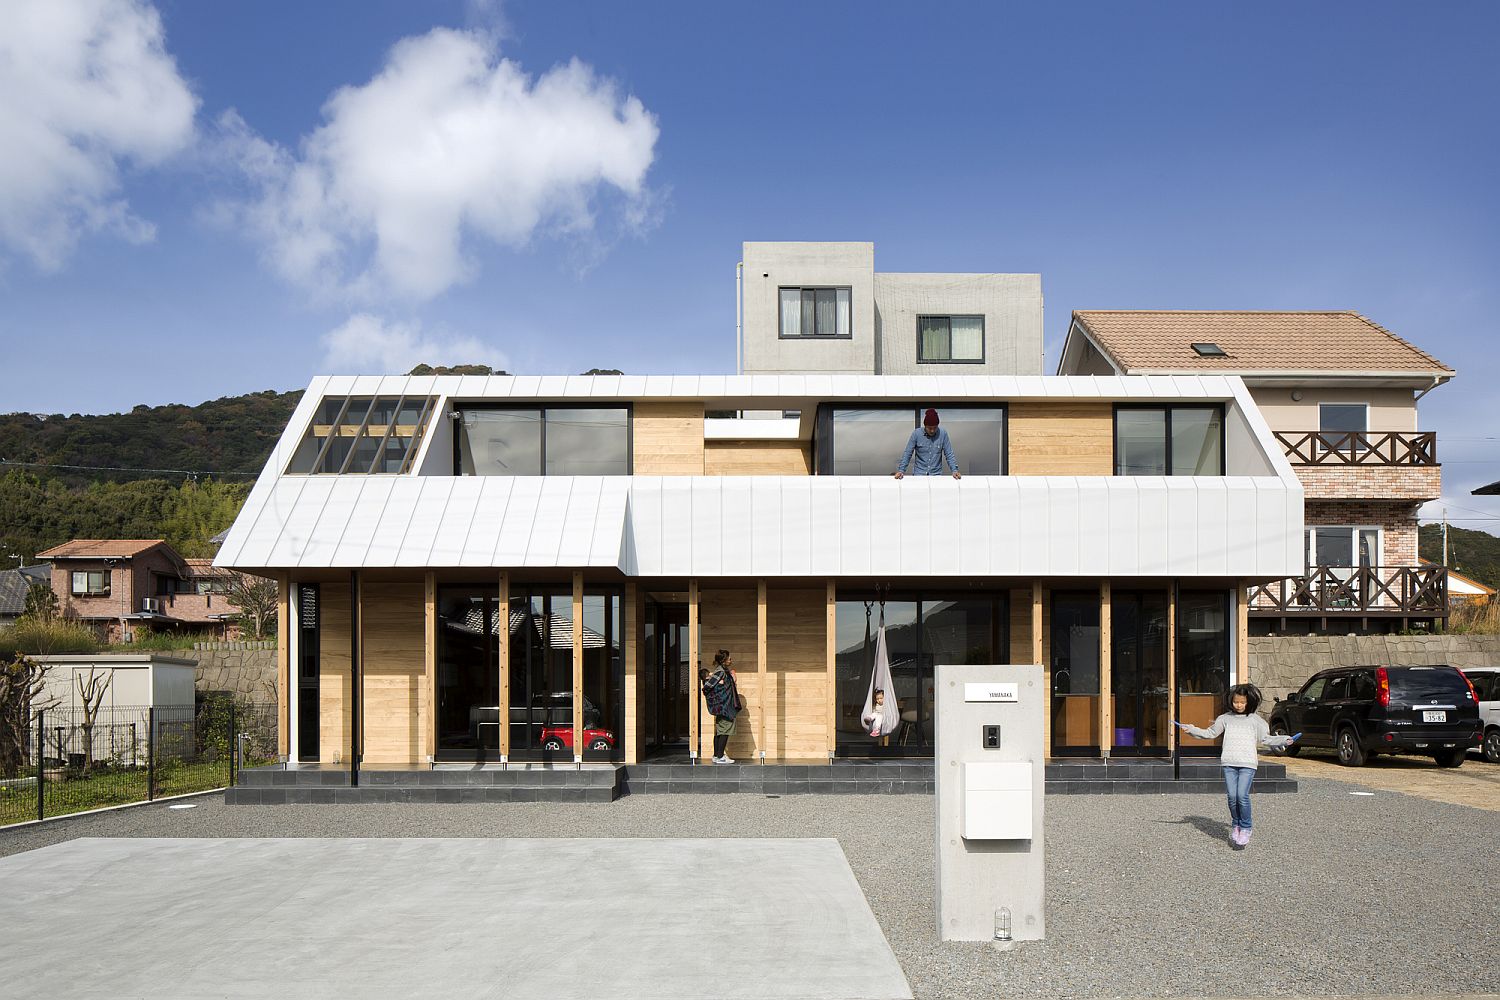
x=121 y=468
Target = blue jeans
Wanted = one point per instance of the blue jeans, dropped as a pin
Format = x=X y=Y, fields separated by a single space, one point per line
x=1237 y=781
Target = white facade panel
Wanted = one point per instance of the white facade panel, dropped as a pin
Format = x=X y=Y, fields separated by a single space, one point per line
x=882 y=503
x=582 y=520
x=824 y=523
x=1034 y=517
x=451 y=540
x=796 y=526
x=1125 y=528
x=765 y=525
x=972 y=534
x=359 y=530
x=1241 y=517
x=734 y=546
x=514 y=544
x=549 y=521
x=384 y=546
x=1065 y=520
x=857 y=538
x=292 y=541
x=675 y=548
x=489 y=516
x=1212 y=549
x=1182 y=520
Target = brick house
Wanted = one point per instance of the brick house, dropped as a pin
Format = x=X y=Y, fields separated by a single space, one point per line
x=1340 y=393
x=121 y=584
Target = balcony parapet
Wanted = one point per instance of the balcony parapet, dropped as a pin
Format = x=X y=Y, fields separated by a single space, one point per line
x=1350 y=591
x=1388 y=448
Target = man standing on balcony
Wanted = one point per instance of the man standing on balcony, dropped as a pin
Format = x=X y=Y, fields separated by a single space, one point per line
x=931 y=446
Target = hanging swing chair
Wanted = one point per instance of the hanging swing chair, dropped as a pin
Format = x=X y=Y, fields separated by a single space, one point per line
x=880 y=721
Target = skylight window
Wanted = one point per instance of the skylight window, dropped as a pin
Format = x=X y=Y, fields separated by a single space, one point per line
x=1206 y=350
x=363 y=435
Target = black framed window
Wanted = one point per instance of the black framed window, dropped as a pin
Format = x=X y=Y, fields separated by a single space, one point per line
x=1203 y=662
x=309 y=669
x=1169 y=440
x=923 y=629
x=814 y=312
x=542 y=440
x=869 y=441
x=91 y=583
x=950 y=339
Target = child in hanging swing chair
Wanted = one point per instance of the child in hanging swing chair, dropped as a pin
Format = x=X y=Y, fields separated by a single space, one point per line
x=877 y=719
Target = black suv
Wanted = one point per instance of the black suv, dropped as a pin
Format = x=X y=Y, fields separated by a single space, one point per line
x=1362 y=711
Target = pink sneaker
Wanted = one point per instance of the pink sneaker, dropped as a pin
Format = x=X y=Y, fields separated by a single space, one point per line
x=1234 y=835
x=1244 y=838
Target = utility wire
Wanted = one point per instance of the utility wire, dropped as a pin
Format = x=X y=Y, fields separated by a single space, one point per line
x=120 y=468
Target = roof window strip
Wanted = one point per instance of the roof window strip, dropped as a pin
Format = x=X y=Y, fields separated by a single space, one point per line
x=359 y=433
x=390 y=427
x=417 y=435
x=333 y=430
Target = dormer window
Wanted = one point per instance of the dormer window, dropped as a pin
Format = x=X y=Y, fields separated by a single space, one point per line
x=363 y=435
x=814 y=312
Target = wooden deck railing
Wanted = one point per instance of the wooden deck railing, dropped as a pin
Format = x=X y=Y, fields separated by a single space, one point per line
x=1353 y=590
x=1360 y=447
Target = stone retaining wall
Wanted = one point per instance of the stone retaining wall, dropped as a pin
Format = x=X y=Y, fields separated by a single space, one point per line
x=246 y=669
x=1280 y=663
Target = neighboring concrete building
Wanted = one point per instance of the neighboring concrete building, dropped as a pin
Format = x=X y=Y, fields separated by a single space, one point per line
x=479 y=568
x=822 y=307
x=120 y=584
x=1340 y=393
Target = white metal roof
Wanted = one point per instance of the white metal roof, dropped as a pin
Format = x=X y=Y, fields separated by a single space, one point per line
x=1248 y=524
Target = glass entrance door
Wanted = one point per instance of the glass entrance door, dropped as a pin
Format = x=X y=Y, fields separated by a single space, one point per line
x=541 y=673
x=468 y=674
x=1075 y=673
x=1138 y=673
x=671 y=676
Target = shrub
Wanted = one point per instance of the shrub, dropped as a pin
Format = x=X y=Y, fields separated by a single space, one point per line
x=36 y=637
x=1475 y=618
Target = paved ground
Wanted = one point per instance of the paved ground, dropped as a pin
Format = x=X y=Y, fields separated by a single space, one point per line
x=330 y=918
x=1337 y=895
x=1475 y=784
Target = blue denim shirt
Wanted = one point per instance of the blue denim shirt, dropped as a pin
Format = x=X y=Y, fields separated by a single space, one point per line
x=930 y=453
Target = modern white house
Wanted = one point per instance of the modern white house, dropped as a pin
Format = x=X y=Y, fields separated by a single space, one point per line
x=527 y=570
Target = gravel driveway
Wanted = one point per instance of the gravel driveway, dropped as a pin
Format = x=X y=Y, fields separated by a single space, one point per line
x=1338 y=894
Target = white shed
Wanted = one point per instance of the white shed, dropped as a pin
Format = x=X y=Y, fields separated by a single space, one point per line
x=137 y=683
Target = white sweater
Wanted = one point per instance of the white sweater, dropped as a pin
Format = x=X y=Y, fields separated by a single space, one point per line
x=1243 y=737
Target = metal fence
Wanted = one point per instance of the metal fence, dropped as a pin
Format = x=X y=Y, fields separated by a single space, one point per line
x=75 y=761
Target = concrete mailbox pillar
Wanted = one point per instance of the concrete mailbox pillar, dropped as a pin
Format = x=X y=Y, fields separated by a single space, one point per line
x=990 y=777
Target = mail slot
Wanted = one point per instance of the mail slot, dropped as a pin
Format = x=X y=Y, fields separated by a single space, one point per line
x=997 y=801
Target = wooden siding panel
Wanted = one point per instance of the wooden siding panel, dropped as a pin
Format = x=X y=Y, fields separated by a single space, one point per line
x=1075 y=438
x=667 y=439
x=333 y=673
x=395 y=671
x=757 y=458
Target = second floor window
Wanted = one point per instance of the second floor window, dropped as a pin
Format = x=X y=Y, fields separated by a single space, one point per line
x=543 y=441
x=1169 y=441
x=91 y=583
x=950 y=339
x=815 y=312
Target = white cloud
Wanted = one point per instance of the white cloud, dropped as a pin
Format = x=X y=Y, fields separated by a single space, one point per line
x=367 y=344
x=86 y=87
x=447 y=144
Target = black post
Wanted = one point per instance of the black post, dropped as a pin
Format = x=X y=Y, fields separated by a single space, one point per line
x=41 y=750
x=234 y=743
x=354 y=665
x=150 y=753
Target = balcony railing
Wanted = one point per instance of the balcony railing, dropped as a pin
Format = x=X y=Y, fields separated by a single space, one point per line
x=1359 y=447
x=1356 y=590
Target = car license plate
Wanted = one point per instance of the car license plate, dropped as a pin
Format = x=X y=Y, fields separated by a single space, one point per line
x=1434 y=716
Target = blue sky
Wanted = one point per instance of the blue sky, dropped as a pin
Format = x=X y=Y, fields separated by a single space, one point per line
x=1162 y=155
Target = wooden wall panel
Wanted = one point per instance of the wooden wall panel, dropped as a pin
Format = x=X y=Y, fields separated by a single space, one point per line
x=757 y=458
x=794 y=704
x=667 y=439
x=333 y=673
x=1075 y=438
x=395 y=671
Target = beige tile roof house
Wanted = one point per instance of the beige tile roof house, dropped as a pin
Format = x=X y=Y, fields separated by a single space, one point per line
x=1142 y=342
x=1339 y=393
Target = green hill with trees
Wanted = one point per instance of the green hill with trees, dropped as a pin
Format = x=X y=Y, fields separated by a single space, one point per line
x=1475 y=554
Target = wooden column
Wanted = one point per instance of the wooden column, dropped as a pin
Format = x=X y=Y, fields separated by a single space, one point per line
x=632 y=641
x=695 y=743
x=503 y=716
x=427 y=744
x=1106 y=683
x=356 y=676
x=1171 y=733
x=1037 y=657
x=831 y=663
x=1242 y=635
x=760 y=660
x=578 y=669
x=285 y=678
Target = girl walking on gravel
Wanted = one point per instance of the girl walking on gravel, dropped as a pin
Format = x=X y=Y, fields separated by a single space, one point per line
x=1244 y=734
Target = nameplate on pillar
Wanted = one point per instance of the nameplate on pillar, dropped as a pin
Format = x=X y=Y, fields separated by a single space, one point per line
x=992 y=692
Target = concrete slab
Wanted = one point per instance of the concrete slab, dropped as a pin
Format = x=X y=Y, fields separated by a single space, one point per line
x=442 y=917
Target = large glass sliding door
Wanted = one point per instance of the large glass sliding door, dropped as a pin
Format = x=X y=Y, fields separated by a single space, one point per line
x=541 y=672
x=669 y=696
x=922 y=631
x=1203 y=672
x=1075 y=673
x=603 y=675
x=1138 y=672
x=468 y=678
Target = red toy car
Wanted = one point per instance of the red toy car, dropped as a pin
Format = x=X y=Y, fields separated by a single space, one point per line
x=557 y=738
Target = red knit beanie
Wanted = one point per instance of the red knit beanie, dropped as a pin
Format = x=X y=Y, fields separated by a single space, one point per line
x=931 y=418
